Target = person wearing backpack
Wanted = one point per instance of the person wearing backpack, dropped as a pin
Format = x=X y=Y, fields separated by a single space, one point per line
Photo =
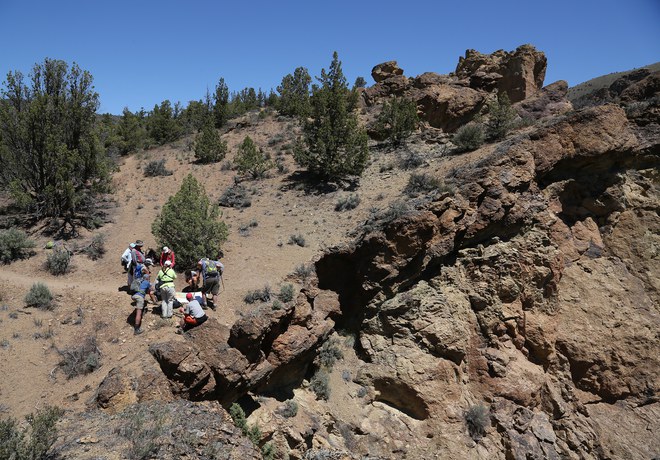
x=137 y=257
x=211 y=271
x=165 y=279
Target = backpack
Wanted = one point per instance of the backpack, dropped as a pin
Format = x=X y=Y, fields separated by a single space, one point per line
x=139 y=257
x=211 y=269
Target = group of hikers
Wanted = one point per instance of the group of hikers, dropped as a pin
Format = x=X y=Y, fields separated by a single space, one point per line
x=139 y=266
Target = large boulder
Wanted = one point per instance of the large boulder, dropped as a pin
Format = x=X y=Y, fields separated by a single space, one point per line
x=385 y=70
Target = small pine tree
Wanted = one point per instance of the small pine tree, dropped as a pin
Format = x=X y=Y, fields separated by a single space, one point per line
x=398 y=120
x=209 y=148
x=251 y=159
x=189 y=223
x=502 y=117
x=335 y=145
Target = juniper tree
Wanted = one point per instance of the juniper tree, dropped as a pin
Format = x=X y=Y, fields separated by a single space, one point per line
x=130 y=132
x=221 y=106
x=163 y=127
x=209 y=148
x=398 y=120
x=335 y=146
x=501 y=117
x=294 y=94
x=251 y=159
x=189 y=223
x=52 y=160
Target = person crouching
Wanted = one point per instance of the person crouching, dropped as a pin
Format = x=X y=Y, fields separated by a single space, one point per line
x=193 y=314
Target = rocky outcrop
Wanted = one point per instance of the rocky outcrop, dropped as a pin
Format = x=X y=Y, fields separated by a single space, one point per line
x=265 y=349
x=533 y=288
x=386 y=70
x=449 y=101
x=519 y=73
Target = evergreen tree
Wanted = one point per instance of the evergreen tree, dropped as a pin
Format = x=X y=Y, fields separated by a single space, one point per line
x=294 y=94
x=209 y=148
x=360 y=82
x=221 y=106
x=335 y=145
x=189 y=223
x=163 y=127
x=131 y=133
x=51 y=157
x=398 y=120
x=501 y=118
x=251 y=159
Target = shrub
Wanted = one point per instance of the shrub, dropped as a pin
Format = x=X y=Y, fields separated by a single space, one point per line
x=156 y=168
x=469 y=137
x=142 y=428
x=32 y=442
x=501 y=117
x=303 y=271
x=14 y=244
x=398 y=120
x=236 y=196
x=419 y=184
x=411 y=160
x=245 y=229
x=96 y=248
x=329 y=354
x=477 y=420
x=39 y=296
x=238 y=416
x=277 y=305
x=290 y=409
x=286 y=293
x=252 y=160
x=209 y=148
x=81 y=359
x=347 y=203
x=258 y=295
x=319 y=384
x=189 y=223
x=58 y=261
x=297 y=239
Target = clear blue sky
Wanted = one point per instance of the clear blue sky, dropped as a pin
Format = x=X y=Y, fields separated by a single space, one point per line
x=142 y=52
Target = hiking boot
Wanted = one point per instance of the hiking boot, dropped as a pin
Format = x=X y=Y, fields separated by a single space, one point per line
x=138 y=331
x=212 y=306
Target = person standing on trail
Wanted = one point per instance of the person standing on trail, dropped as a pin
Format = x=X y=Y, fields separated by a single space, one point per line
x=167 y=254
x=137 y=257
x=139 y=297
x=165 y=278
x=211 y=271
x=126 y=258
x=193 y=314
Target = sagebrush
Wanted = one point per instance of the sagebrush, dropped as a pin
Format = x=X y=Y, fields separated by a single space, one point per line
x=39 y=296
x=14 y=245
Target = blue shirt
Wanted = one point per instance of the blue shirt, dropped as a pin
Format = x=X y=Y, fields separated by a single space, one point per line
x=145 y=287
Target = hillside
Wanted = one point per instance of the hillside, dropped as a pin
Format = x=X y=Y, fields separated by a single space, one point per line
x=509 y=312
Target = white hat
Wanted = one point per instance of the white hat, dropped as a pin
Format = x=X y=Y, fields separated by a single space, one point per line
x=166 y=249
x=168 y=263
